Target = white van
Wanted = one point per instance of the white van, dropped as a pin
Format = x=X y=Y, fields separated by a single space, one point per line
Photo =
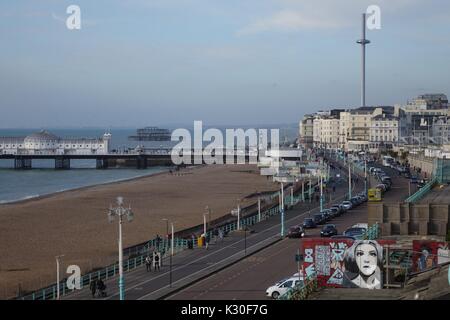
x=283 y=286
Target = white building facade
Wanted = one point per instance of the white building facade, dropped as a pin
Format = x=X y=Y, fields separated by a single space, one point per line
x=44 y=142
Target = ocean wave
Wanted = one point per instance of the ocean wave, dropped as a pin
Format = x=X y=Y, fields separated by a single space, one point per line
x=33 y=196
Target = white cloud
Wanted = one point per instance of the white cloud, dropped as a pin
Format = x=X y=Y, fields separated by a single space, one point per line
x=297 y=15
x=291 y=20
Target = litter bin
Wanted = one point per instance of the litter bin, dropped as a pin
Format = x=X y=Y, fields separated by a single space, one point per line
x=200 y=241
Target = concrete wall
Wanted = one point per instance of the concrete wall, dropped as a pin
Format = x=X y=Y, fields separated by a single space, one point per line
x=426 y=164
x=410 y=219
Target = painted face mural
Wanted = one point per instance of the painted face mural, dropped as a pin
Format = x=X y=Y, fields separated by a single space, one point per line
x=363 y=265
x=366 y=258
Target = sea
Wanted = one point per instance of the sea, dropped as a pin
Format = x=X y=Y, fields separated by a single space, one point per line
x=43 y=179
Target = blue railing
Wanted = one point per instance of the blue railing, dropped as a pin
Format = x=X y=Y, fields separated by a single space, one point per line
x=373 y=232
x=302 y=290
x=421 y=192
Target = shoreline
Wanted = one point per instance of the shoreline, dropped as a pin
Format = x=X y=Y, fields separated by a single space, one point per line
x=32 y=198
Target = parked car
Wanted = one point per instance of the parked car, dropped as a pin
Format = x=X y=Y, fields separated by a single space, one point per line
x=382 y=187
x=356 y=232
x=328 y=230
x=334 y=211
x=296 y=232
x=319 y=219
x=282 y=287
x=326 y=214
x=386 y=180
x=337 y=211
x=355 y=201
x=309 y=223
x=347 y=205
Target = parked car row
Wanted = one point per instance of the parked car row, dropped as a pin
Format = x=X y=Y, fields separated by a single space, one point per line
x=384 y=179
x=322 y=218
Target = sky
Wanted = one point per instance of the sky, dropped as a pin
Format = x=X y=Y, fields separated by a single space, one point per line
x=136 y=63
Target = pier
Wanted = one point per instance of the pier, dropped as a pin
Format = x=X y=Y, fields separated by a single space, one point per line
x=138 y=160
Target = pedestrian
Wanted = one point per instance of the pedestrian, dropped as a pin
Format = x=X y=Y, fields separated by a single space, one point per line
x=148 y=263
x=93 y=287
x=207 y=239
x=101 y=287
x=221 y=235
x=157 y=260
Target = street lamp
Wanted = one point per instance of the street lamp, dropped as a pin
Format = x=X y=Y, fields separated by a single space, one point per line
x=120 y=212
x=57 y=275
x=245 y=240
x=171 y=251
x=207 y=212
x=238 y=214
x=282 y=209
x=167 y=226
x=166 y=238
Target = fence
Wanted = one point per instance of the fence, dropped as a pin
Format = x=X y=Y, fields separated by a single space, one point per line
x=421 y=192
x=302 y=290
x=373 y=232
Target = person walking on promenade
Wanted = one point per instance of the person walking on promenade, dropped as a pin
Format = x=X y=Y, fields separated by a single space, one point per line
x=93 y=287
x=148 y=263
x=157 y=261
x=221 y=235
x=101 y=287
x=207 y=239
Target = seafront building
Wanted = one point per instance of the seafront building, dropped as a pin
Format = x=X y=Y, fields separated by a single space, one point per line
x=423 y=121
x=44 y=142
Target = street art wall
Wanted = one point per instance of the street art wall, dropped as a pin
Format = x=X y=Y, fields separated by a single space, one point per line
x=428 y=254
x=344 y=263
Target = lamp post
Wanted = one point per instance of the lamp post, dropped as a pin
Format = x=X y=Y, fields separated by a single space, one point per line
x=321 y=191
x=282 y=209
x=365 y=174
x=349 y=181
x=207 y=212
x=57 y=275
x=245 y=240
x=171 y=251
x=239 y=214
x=292 y=195
x=259 y=207
x=167 y=232
x=120 y=212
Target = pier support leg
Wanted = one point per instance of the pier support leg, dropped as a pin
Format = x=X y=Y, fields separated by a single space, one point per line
x=22 y=163
x=102 y=163
x=141 y=162
x=62 y=163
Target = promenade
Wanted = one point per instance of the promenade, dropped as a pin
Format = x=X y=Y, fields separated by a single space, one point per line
x=191 y=266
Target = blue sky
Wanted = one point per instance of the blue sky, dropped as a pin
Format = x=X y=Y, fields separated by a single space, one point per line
x=156 y=62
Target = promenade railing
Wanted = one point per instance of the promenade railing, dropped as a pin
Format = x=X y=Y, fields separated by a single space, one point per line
x=302 y=290
x=422 y=191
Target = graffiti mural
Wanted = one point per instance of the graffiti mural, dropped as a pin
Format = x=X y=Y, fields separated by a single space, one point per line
x=428 y=254
x=345 y=263
x=363 y=265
